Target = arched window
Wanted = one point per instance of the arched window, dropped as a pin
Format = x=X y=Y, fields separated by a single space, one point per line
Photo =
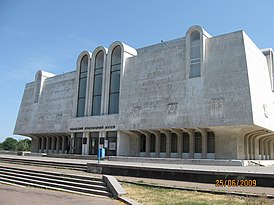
x=114 y=89
x=195 y=54
x=97 y=83
x=82 y=87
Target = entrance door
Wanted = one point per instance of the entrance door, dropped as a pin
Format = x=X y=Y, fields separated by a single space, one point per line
x=112 y=144
x=78 y=143
x=93 y=143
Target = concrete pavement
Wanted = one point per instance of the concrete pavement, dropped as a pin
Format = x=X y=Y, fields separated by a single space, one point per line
x=15 y=195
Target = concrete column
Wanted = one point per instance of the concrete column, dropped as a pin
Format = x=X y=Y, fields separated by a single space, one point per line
x=52 y=144
x=265 y=149
x=261 y=147
x=72 y=143
x=42 y=144
x=58 y=144
x=138 y=136
x=191 y=134
x=63 y=145
x=158 y=137
x=168 y=143
x=256 y=149
x=271 y=150
x=87 y=145
x=47 y=145
x=147 y=144
x=179 y=144
x=204 y=142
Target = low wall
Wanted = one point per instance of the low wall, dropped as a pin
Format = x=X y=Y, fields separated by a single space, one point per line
x=213 y=162
x=201 y=176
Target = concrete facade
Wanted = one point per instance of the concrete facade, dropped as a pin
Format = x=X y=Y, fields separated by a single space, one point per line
x=200 y=96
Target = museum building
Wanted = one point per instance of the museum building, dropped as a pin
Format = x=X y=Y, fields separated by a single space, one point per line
x=195 y=97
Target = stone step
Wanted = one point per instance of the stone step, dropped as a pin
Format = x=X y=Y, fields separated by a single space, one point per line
x=54 y=180
x=66 y=165
x=24 y=184
x=31 y=182
x=73 y=177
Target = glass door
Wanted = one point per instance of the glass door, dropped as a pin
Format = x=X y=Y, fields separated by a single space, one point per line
x=93 y=143
x=78 y=143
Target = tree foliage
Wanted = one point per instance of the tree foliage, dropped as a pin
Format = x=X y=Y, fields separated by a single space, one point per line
x=12 y=144
x=24 y=145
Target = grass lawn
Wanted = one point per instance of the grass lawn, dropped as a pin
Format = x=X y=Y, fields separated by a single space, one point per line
x=152 y=196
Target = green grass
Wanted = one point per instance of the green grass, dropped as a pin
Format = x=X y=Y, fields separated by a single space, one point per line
x=162 y=196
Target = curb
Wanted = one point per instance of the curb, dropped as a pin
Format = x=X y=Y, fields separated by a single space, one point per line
x=128 y=200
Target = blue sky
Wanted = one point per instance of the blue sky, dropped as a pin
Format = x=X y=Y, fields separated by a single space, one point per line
x=50 y=34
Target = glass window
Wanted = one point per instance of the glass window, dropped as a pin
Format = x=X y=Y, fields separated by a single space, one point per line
x=198 y=142
x=97 y=83
x=195 y=35
x=97 y=90
x=185 y=143
x=82 y=87
x=96 y=105
x=81 y=107
x=99 y=62
x=114 y=89
x=115 y=82
x=210 y=142
x=163 y=143
x=116 y=67
x=113 y=103
x=195 y=52
x=152 y=143
x=116 y=56
x=195 y=70
x=98 y=71
x=84 y=64
x=173 y=143
x=143 y=143
x=195 y=55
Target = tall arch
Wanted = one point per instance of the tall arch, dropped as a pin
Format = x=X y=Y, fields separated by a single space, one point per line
x=114 y=88
x=40 y=77
x=195 y=54
x=83 y=63
x=118 y=53
x=97 y=83
x=195 y=51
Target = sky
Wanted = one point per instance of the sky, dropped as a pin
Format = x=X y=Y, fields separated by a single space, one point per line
x=50 y=34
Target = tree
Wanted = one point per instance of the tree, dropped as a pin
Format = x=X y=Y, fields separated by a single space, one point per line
x=10 y=144
x=24 y=145
x=1 y=145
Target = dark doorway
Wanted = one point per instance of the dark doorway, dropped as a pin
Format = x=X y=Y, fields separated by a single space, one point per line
x=111 y=149
x=93 y=143
x=78 y=143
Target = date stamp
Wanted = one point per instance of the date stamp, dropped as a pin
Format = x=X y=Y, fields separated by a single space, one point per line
x=235 y=183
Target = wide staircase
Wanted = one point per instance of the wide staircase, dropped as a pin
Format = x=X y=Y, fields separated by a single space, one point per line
x=79 y=184
x=43 y=163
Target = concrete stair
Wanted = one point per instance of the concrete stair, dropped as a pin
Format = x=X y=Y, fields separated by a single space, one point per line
x=63 y=165
x=55 y=181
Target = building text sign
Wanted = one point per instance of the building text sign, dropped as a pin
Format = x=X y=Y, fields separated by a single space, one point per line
x=93 y=128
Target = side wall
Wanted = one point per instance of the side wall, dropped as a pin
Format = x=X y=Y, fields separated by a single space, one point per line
x=262 y=96
x=156 y=92
x=52 y=112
